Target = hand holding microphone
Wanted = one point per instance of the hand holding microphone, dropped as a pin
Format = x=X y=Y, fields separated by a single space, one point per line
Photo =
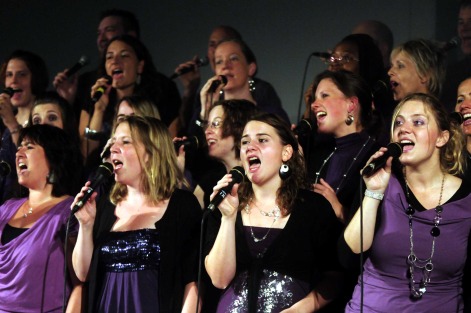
x=394 y=149
x=103 y=172
x=100 y=87
x=190 y=66
x=224 y=187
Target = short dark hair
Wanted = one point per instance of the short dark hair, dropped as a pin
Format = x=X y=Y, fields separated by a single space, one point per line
x=230 y=32
x=37 y=66
x=129 y=20
x=237 y=112
x=63 y=157
x=67 y=113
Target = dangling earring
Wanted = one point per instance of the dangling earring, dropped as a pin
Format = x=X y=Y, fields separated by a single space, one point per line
x=138 y=79
x=51 y=178
x=285 y=171
x=350 y=119
x=251 y=85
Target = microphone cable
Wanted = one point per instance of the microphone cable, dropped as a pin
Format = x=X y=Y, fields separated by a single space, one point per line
x=361 y=244
x=200 y=258
x=66 y=241
x=303 y=85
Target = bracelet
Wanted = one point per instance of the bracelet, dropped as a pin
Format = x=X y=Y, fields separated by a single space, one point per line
x=375 y=195
x=16 y=129
x=200 y=123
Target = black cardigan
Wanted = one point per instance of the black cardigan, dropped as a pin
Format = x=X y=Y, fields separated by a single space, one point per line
x=179 y=234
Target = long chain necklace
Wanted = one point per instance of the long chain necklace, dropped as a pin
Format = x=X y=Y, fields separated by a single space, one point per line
x=275 y=213
x=414 y=262
x=344 y=176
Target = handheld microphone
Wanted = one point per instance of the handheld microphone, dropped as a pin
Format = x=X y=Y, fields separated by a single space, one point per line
x=457 y=117
x=5 y=169
x=100 y=91
x=237 y=177
x=77 y=66
x=215 y=84
x=199 y=63
x=103 y=172
x=451 y=44
x=394 y=150
x=303 y=128
x=323 y=55
x=190 y=143
x=10 y=91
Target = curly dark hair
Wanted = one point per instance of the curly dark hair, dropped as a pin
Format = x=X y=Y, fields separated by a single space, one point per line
x=237 y=113
x=63 y=157
x=288 y=191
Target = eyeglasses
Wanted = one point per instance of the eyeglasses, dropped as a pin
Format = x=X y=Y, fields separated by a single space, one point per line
x=215 y=124
x=340 y=59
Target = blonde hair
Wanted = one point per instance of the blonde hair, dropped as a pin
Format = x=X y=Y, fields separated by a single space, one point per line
x=161 y=174
x=428 y=59
x=452 y=158
x=140 y=106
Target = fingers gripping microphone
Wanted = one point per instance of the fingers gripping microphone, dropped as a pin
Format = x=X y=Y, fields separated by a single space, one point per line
x=103 y=172
x=394 y=150
x=199 y=63
x=10 y=91
x=77 y=66
x=190 y=143
x=5 y=169
x=215 y=84
x=237 y=177
x=101 y=90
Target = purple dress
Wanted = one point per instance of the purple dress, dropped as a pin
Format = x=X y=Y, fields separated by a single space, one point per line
x=31 y=265
x=386 y=285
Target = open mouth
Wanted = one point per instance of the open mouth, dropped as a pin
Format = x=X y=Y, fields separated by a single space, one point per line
x=466 y=116
x=406 y=145
x=320 y=115
x=117 y=164
x=393 y=84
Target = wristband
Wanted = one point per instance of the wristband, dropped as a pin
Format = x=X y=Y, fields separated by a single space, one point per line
x=375 y=195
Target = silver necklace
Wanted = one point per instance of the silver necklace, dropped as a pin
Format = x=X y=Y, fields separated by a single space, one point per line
x=344 y=176
x=30 y=211
x=275 y=213
x=426 y=265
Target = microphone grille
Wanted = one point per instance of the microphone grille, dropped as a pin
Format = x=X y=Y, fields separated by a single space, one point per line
x=83 y=60
x=395 y=149
x=105 y=169
x=238 y=174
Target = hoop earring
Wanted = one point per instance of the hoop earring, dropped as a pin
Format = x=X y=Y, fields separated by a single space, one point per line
x=350 y=119
x=251 y=85
x=285 y=171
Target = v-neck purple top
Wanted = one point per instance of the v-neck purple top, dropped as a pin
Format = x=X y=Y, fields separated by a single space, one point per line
x=31 y=265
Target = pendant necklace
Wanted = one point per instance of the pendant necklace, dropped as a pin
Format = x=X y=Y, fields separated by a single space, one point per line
x=275 y=213
x=426 y=265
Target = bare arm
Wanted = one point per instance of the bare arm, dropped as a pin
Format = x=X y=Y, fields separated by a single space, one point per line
x=83 y=250
x=377 y=184
x=220 y=263
x=190 y=298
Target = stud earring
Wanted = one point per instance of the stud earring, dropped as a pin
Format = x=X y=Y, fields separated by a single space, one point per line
x=51 y=178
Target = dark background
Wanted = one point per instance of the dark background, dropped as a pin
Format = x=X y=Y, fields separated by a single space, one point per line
x=281 y=33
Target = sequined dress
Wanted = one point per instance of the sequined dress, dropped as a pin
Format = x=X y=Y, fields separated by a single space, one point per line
x=149 y=280
x=131 y=260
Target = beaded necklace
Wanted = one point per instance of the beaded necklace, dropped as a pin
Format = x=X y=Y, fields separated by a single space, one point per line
x=426 y=265
x=344 y=176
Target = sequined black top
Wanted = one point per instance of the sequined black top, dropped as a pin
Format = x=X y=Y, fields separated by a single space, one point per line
x=129 y=251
